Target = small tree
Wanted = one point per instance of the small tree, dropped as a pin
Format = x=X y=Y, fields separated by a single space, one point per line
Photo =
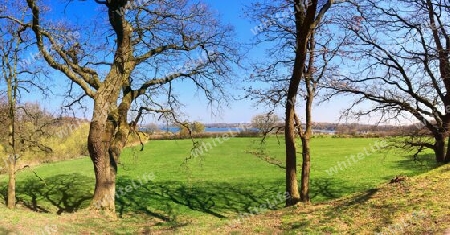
x=151 y=128
x=198 y=127
x=187 y=129
x=18 y=77
x=265 y=122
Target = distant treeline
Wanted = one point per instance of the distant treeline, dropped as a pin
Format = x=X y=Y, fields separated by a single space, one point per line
x=319 y=129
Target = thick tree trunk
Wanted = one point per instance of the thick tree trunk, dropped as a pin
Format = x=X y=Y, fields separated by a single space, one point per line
x=306 y=166
x=106 y=141
x=105 y=167
x=442 y=155
x=12 y=182
x=291 y=157
x=109 y=128
x=440 y=149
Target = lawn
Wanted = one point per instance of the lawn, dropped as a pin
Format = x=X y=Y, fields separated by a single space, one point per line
x=233 y=177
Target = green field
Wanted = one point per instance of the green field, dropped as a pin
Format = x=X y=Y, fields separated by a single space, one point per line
x=217 y=187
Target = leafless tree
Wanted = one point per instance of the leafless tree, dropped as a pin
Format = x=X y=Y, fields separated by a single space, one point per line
x=265 y=123
x=398 y=60
x=291 y=27
x=18 y=78
x=158 y=44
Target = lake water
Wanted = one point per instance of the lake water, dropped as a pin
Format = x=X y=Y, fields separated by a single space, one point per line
x=209 y=129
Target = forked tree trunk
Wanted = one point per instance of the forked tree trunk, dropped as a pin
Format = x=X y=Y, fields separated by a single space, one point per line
x=108 y=128
x=107 y=137
x=304 y=19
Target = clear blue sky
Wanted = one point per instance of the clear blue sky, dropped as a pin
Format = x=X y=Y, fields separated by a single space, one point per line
x=196 y=109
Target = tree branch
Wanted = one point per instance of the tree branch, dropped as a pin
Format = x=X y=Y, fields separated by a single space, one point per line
x=84 y=80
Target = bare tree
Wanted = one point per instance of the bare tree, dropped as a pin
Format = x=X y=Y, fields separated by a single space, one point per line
x=291 y=26
x=18 y=78
x=399 y=61
x=265 y=123
x=156 y=44
x=9 y=47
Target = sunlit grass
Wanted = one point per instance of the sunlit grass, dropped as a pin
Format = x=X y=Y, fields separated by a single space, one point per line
x=215 y=187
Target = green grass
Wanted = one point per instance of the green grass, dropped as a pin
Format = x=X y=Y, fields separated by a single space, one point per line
x=418 y=205
x=212 y=189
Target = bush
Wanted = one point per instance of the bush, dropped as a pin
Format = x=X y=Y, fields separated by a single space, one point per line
x=195 y=128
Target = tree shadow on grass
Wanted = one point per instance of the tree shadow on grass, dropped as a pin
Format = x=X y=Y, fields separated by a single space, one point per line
x=6 y=231
x=58 y=194
x=218 y=199
x=422 y=164
x=169 y=199
x=166 y=200
x=326 y=188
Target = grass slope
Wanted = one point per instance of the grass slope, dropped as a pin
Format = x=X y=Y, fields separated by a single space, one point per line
x=159 y=191
x=418 y=205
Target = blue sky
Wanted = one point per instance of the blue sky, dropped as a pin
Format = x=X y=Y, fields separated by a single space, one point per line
x=197 y=109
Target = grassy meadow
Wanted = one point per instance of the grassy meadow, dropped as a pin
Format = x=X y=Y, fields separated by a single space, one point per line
x=159 y=190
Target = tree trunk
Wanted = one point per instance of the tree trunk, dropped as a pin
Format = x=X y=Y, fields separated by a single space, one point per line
x=12 y=84
x=105 y=167
x=109 y=128
x=440 y=149
x=310 y=87
x=101 y=134
x=306 y=167
x=107 y=138
x=291 y=157
x=303 y=22
x=447 y=154
x=12 y=182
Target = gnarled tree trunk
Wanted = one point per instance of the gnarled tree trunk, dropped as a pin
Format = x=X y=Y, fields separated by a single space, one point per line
x=105 y=165
x=109 y=128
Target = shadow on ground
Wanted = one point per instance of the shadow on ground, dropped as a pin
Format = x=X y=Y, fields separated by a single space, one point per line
x=59 y=194
x=168 y=200
x=219 y=199
x=5 y=231
x=418 y=165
